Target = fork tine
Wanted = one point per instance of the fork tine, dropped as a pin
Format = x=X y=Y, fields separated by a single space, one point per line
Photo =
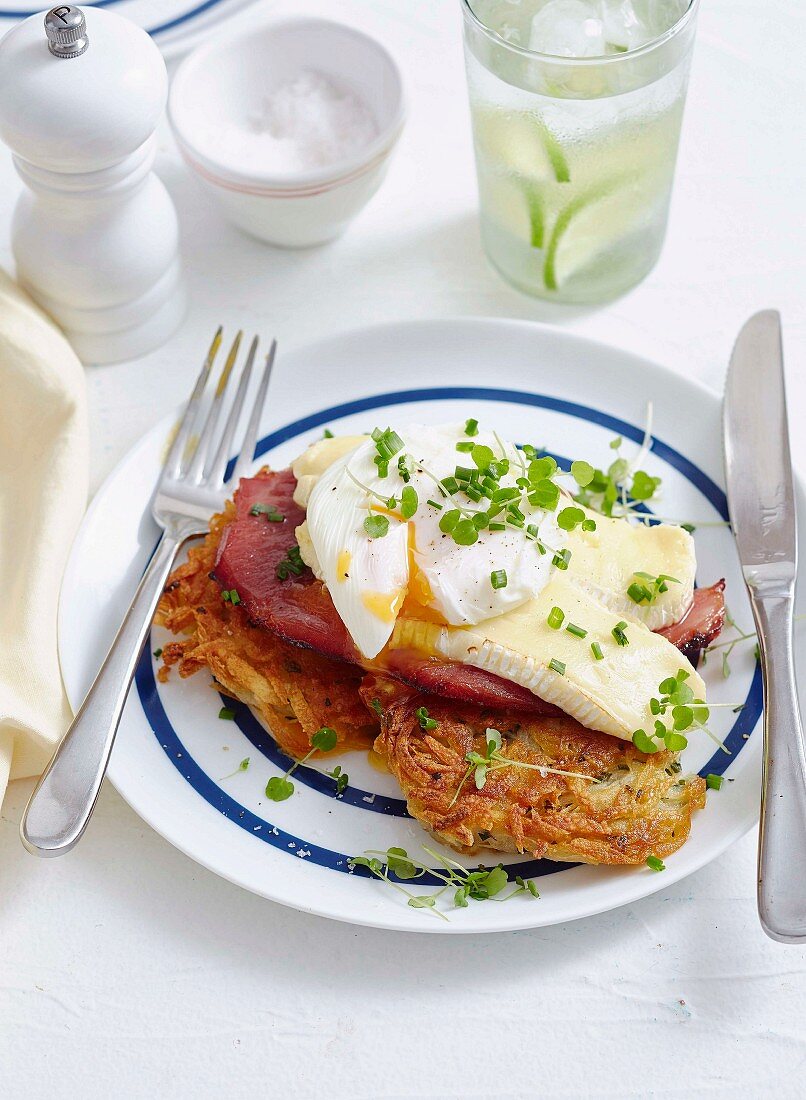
x=176 y=453
x=247 y=452
x=218 y=467
x=201 y=453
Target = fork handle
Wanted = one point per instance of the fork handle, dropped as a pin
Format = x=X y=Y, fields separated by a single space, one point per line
x=65 y=796
x=782 y=840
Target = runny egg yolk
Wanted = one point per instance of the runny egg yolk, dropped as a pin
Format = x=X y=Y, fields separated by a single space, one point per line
x=419 y=600
x=343 y=565
x=384 y=605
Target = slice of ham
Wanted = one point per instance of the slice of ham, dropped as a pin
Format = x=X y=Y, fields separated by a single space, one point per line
x=299 y=609
x=701 y=624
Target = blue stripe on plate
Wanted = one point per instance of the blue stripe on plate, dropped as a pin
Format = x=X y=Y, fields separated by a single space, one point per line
x=169 y=25
x=254 y=731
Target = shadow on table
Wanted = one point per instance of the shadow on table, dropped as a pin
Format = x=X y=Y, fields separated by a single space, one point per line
x=126 y=875
x=379 y=250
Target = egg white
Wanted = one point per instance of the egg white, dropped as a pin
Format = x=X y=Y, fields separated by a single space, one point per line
x=457 y=578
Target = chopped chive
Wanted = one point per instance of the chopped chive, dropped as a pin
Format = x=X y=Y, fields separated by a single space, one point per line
x=561 y=560
x=557 y=666
x=498 y=578
x=619 y=634
x=496 y=526
x=471 y=427
x=426 y=723
x=714 y=782
x=655 y=864
x=435 y=504
x=556 y=617
x=596 y=650
x=577 y=631
x=158 y=653
x=227 y=713
x=465 y=446
x=376 y=706
x=327 y=434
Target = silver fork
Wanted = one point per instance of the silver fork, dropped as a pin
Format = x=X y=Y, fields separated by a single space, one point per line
x=191 y=487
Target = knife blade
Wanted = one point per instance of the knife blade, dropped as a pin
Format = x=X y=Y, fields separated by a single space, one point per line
x=758 y=468
x=761 y=504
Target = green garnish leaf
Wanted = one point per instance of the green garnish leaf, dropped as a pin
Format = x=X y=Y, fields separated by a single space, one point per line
x=324 y=739
x=643 y=742
x=423 y=901
x=655 y=864
x=376 y=526
x=398 y=862
x=409 y=502
x=278 y=788
x=449 y=519
x=465 y=533
x=569 y=518
x=583 y=473
x=376 y=706
x=643 y=486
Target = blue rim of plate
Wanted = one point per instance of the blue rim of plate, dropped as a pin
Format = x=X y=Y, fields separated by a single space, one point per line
x=279 y=838
x=169 y=25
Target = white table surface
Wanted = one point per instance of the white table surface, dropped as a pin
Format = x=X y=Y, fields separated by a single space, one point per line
x=128 y=971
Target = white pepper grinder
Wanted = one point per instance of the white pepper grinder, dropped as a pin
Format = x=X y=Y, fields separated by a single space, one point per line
x=94 y=234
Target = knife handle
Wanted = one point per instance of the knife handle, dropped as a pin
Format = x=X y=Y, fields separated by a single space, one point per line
x=782 y=838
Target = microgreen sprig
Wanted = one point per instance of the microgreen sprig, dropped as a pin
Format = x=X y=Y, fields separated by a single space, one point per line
x=492 y=759
x=676 y=700
x=460 y=883
x=280 y=787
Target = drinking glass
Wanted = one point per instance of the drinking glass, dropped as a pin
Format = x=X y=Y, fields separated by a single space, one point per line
x=575 y=155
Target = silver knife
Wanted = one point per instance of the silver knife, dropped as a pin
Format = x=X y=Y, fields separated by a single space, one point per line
x=761 y=502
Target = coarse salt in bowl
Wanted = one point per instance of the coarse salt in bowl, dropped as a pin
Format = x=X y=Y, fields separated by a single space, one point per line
x=289 y=125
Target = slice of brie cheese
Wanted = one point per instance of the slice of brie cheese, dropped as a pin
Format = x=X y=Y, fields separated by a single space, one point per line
x=611 y=695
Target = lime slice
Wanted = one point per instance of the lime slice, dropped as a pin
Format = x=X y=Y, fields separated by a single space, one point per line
x=537 y=216
x=515 y=205
x=590 y=224
x=521 y=143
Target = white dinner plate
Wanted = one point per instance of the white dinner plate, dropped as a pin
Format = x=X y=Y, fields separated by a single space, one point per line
x=534 y=384
x=175 y=25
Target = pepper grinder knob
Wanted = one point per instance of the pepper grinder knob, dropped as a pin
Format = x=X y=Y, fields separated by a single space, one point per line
x=94 y=234
x=66 y=29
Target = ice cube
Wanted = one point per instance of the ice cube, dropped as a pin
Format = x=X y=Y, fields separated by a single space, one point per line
x=630 y=24
x=568 y=28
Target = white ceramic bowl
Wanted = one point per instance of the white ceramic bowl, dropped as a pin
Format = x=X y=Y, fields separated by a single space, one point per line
x=224 y=82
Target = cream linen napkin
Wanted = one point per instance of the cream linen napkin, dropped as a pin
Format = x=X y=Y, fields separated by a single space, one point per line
x=43 y=492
